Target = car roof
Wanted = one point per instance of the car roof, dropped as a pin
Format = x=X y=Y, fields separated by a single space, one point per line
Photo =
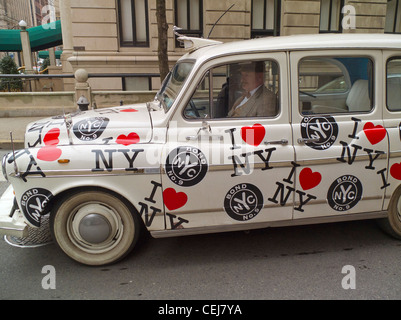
x=298 y=42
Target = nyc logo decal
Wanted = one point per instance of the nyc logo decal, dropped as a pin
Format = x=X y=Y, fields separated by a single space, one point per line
x=344 y=193
x=90 y=129
x=33 y=203
x=321 y=131
x=243 y=202
x=186 y=166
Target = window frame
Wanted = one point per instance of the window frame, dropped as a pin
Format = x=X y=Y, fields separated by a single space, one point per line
x=257 y=33
x=189 y=32
x=340 y=18
x=124 y=84
x=389 y=59
x=394 y=26
x=134 y=42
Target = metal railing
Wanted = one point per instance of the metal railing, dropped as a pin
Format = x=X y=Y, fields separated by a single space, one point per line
x=29 y=77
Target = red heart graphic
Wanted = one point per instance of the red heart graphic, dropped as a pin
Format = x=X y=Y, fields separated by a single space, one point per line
x=129 y=110
x=253 y=135
x=375 y=134
x=51 y=137
x=132 y=138
x=174 y=200
x=49 y=153
x=309 y=179
x=395 y=171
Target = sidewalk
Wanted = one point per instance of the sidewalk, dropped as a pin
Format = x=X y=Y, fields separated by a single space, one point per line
x=17 y=125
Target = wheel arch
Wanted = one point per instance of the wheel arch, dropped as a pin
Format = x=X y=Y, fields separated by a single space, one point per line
x=58 y=198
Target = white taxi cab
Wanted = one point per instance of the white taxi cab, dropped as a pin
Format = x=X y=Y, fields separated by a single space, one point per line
x=243 y=135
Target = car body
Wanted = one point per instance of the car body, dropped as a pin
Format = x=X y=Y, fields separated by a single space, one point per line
x=180 y=165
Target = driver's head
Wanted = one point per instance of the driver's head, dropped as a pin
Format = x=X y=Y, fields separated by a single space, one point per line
x=252 y=75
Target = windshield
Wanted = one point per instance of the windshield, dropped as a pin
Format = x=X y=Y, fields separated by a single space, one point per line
x=173 y=83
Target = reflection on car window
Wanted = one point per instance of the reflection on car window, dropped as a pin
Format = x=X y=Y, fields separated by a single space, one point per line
x=394 y=84
x=173 y=83
x=335 y=85
x=237 y=90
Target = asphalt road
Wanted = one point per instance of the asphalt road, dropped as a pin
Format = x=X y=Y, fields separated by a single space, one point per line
x=304 y=262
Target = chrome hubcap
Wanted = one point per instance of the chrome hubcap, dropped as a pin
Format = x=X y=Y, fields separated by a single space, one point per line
x=95 y=228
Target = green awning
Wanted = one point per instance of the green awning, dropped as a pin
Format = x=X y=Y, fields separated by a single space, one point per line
x=10 y=40
x=45 y=54
x=41 y=37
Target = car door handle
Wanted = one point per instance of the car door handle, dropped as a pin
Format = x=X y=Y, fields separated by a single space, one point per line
x=197 y=137
x=282 y=142
x=306 y=140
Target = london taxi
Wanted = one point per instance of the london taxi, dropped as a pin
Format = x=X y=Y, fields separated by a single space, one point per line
x=243 y=135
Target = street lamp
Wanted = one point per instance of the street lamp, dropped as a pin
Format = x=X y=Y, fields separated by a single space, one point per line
x=23 y=25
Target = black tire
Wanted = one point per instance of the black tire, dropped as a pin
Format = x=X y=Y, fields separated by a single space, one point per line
x=392 y=224
x=94 y=227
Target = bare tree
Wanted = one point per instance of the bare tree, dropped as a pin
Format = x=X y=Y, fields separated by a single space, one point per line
x=162 y=28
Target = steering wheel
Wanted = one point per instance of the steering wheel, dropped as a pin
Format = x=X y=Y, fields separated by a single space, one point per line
x=194 y=109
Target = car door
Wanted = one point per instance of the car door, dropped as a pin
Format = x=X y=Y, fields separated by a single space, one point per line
x=341 y=152
x=230 y=170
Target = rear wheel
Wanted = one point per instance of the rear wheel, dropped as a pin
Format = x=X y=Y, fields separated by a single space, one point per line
x=94 y=227
x=392 y=224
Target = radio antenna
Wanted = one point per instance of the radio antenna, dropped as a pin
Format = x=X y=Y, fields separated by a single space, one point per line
x=219 y=20
x=15 y=160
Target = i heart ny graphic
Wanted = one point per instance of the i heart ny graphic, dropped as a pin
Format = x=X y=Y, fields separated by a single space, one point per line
x=309 y=179
x=395 y=171
x=174 y=200
x=132 y=138
x=50 y=152
x=375 y=134
x=253 y=135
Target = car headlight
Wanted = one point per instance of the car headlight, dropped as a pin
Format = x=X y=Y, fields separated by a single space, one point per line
x=3 y=166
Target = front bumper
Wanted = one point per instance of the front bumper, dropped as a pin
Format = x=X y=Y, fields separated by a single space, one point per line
x=12 y=221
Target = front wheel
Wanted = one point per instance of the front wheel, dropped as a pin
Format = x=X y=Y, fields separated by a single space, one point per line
x=94 y=227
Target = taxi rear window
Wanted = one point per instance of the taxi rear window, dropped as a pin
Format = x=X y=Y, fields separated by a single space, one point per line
x=335 y=85
x=393 y=81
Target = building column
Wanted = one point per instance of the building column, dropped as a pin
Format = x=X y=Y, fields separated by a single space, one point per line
x=66 y=25
x=26 y=49
x=68 y=47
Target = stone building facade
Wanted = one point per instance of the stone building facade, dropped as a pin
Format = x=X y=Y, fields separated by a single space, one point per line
x=120 y=36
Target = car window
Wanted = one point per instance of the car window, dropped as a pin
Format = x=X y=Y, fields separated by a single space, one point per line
x=236 y=90
x=173 y=84
x=335 y=85
x=394 y=84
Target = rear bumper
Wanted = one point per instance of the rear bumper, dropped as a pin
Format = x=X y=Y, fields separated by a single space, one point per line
x=12 y=221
